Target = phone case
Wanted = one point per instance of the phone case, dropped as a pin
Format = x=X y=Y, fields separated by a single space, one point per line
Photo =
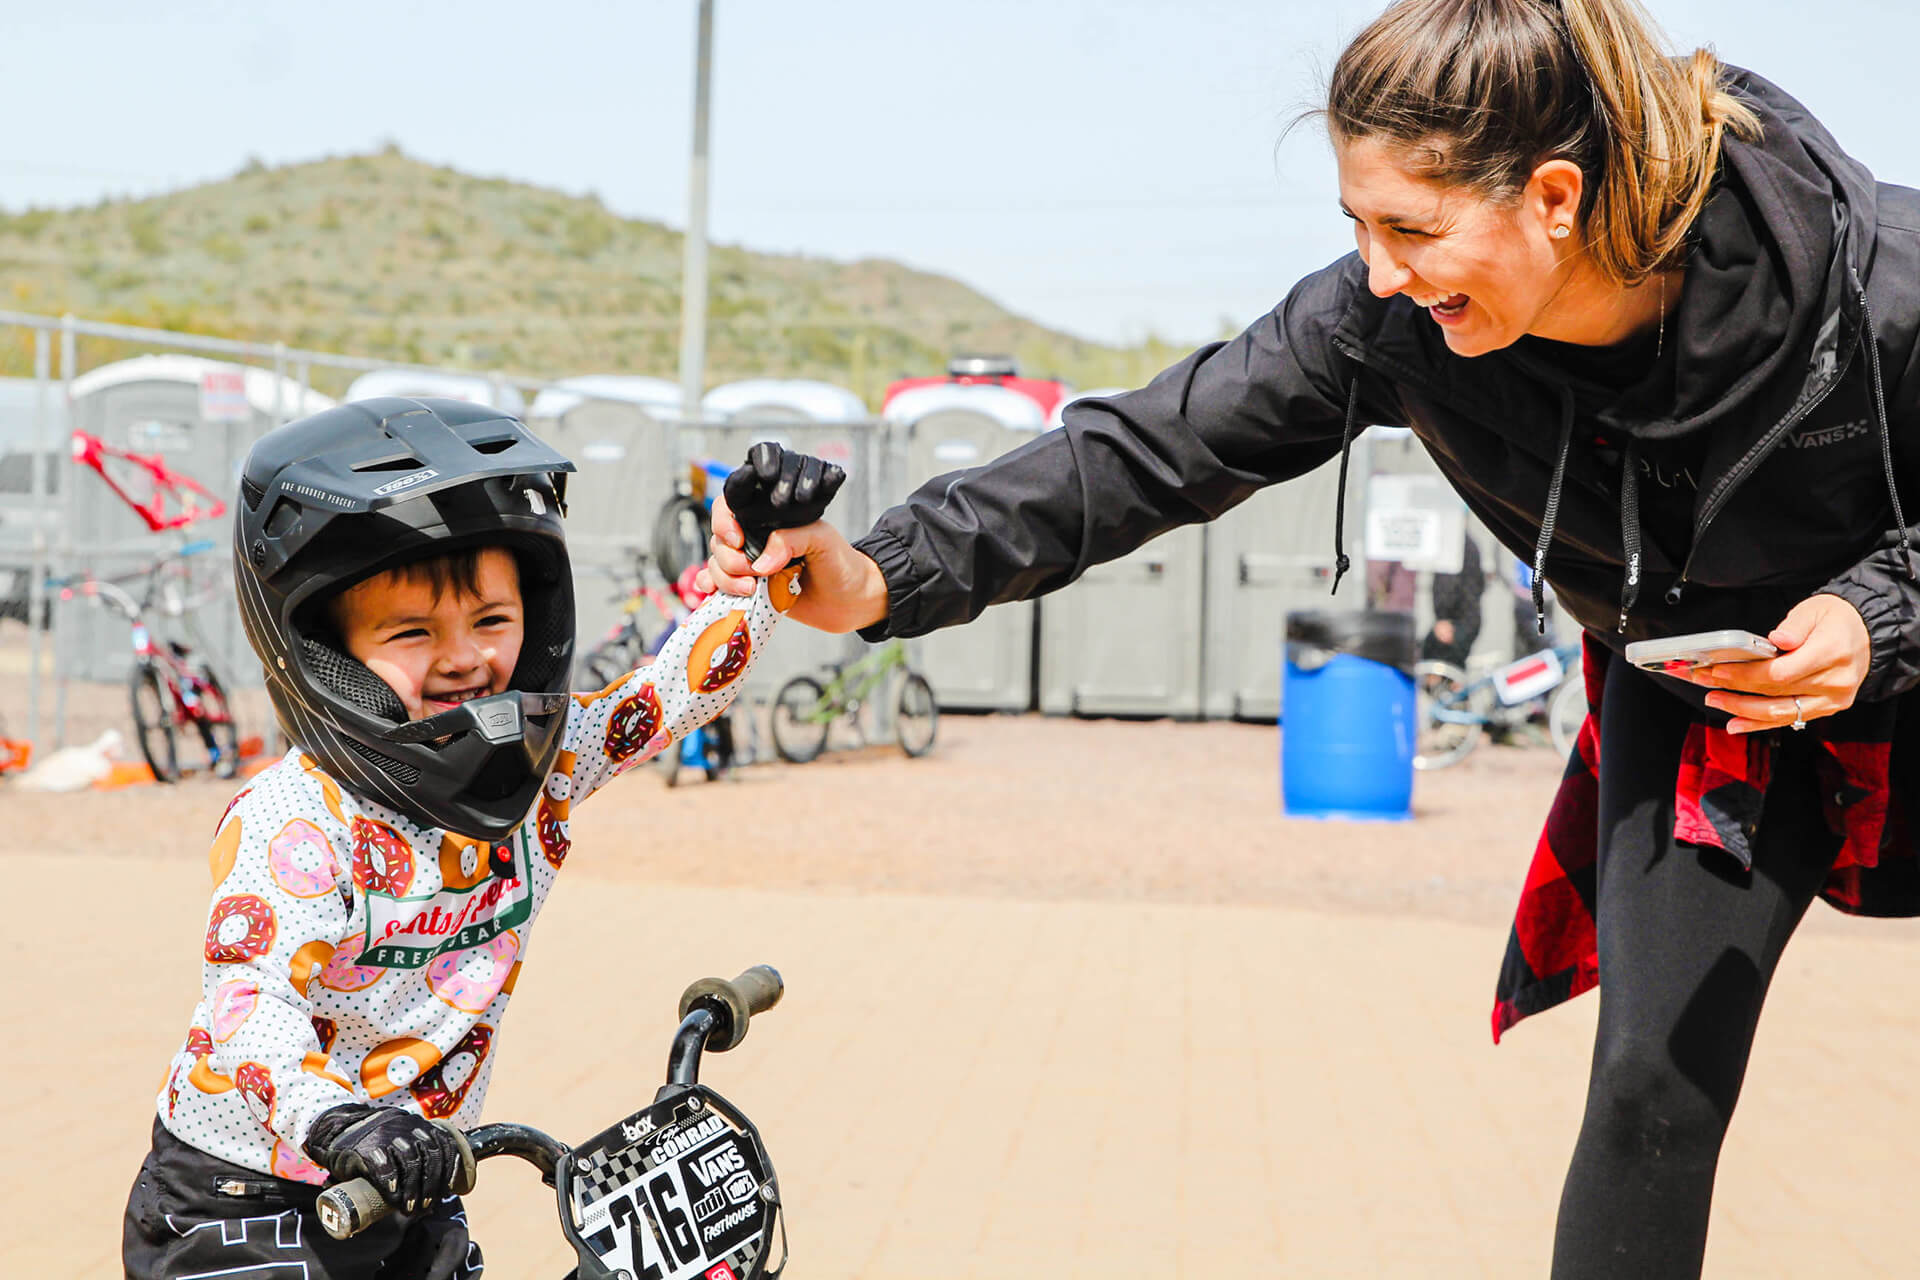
x=1700 y=649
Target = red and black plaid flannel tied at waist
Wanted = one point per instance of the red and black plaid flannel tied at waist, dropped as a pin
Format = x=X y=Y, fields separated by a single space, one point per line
x=1722 y=783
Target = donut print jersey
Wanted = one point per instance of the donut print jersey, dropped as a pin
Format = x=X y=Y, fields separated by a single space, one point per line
x=353 y=955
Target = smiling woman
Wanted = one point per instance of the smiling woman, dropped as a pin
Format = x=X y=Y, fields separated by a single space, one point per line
x=1637 y=308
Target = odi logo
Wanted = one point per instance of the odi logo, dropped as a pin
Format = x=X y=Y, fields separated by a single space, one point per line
x=405 y=482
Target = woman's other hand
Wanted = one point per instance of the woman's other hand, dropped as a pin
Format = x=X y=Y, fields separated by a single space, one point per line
x=1824 y=654
x=840 y=590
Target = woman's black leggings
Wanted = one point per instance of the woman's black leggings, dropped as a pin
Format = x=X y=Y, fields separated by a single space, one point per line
x=1688 y=942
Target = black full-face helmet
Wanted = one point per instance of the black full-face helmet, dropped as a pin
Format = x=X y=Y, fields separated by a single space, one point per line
x=338 y=497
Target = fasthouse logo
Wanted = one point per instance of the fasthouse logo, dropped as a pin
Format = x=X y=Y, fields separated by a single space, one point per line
x=405 y=482
x=1817 y=438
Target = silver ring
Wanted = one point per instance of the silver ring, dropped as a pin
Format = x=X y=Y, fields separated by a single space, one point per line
x=1799 y=716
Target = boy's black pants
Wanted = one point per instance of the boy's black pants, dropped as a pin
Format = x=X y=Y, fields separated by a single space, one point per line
x=192 y=1215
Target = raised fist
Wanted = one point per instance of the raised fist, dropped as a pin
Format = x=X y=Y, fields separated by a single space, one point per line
x=779 y=489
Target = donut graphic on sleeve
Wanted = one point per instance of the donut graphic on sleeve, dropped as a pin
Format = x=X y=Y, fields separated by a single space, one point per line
x=783 y=588
x=226 y=848
x=633 y=723
x=301 y=861
x=382 y=858
x=233 y=1004
x=240 y=929
x=329 y=789
x=294 y=1167
x=550 y=816
x=469 y=980
x=319 y=1064
x=255 y=1084
x=173 y=1090
x=326 y=1031
x=199 y=1042
x=397 y=1064
x=342 y=974
x=721 y=653
x=463 y=861
x=204 y=1078
x=442 y=1090
x=308 y=961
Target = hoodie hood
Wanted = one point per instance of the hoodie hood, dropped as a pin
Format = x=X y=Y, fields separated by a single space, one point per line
x=1766 y=307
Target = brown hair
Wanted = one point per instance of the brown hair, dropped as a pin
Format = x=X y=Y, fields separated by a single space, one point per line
x=457 y=571
x=1478 y=93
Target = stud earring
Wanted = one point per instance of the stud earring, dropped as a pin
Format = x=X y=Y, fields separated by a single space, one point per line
x=1562 y=232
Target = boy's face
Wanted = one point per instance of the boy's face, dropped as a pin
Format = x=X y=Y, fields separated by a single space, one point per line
x=437 y=651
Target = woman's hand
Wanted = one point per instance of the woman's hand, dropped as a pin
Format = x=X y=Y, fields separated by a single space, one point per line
x=1824 y=654
x=840 y=590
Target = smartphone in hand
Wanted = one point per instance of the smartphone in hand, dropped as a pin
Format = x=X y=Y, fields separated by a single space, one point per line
x=1679 y=654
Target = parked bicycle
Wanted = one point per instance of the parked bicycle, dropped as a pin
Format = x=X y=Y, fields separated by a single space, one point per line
x=1455 y=712
x=685 y=522
x=172 y=686
x=679 y=1190
x=805 y=710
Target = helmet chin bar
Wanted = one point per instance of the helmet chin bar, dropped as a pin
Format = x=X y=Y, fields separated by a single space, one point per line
x=497 y=719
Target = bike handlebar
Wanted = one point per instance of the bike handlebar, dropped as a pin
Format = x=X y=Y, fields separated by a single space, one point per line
x=353 y=1206
x=756 y=990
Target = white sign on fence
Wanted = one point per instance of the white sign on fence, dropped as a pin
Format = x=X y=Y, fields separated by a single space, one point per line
x=1417 y=520
x=223 y=396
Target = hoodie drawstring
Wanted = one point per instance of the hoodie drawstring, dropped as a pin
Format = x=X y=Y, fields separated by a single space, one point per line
x=1886 y=433
x=1340 y=562
x=1552 y=513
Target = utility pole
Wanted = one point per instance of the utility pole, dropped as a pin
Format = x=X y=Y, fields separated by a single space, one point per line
x=693 y=273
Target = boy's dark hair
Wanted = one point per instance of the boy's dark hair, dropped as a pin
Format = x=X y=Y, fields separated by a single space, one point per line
x=457 y=570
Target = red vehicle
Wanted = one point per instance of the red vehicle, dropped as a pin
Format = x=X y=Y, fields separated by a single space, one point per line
x=998 y=371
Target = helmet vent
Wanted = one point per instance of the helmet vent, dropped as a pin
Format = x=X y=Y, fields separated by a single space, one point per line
x=251 y=492
x=405 y=462
x=399 y=770
x=350 y=679
x=494 y=446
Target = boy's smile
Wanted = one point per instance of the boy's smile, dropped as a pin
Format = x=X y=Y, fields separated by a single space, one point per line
x=440 y=648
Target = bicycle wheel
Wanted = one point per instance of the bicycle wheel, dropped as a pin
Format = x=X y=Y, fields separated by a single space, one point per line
x=218 y=733
x=1447 y=727
x=799 y=720
x=613 y=659
x=680 y=535
x=1567 y=712
x=916 y=716
x=153 y=722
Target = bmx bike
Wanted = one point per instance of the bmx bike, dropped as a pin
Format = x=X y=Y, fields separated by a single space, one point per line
x=805 y=710
x=1455 y=712
x=680 y=1190
x=172 y=686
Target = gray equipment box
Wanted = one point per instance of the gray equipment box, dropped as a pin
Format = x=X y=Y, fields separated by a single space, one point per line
x=1268 y=556
x=986 y=665
x=1126 y=639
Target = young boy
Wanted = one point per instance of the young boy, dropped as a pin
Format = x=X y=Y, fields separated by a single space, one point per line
x=403 y=576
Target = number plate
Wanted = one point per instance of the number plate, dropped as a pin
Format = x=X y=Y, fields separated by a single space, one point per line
x=680 y=1191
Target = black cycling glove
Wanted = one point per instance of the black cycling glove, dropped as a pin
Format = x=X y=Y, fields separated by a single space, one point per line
x=779 y=489
x=412 y=1161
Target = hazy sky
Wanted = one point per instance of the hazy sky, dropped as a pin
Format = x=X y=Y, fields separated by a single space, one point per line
x=1108 y=168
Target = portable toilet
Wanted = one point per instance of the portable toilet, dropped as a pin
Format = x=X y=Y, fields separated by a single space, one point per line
x=21 y=438
x=200 y=416
x=782 y=400
x=412 y=383
x=942 y=427
x=1127 y=638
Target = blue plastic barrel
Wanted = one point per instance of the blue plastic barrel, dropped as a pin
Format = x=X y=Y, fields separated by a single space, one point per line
x=1347 y=716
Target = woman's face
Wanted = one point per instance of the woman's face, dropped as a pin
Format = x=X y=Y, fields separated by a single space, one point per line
x=1486 y=272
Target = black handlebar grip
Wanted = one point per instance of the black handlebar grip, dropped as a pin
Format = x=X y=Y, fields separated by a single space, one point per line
x=755 y=991
x=353 y=1206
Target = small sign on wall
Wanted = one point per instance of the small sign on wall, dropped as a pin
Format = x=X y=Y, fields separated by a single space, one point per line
x=223 y=396
x=1417 y=520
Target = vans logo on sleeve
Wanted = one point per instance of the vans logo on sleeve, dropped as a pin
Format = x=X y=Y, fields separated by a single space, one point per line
x=1817 y=437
